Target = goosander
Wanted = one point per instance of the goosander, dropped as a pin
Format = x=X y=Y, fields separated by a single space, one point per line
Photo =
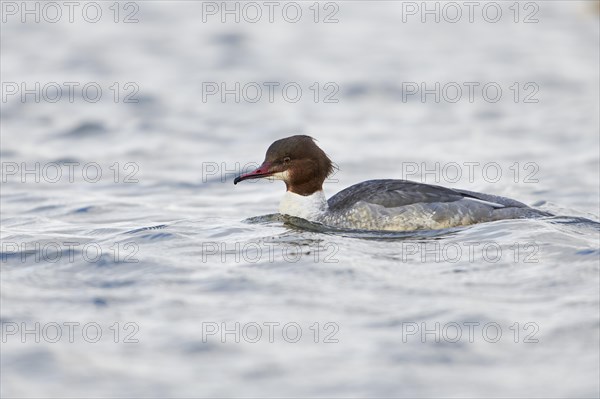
x=396 y=205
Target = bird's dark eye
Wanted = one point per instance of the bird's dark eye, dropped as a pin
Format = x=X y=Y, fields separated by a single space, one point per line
x=286 y=159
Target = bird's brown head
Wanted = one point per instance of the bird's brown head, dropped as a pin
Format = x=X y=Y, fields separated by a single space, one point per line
x=298 y=161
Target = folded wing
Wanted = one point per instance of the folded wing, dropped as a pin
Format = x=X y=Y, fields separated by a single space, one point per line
x=391 y=193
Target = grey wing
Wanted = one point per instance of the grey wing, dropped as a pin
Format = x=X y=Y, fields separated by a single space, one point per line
x=391 y=193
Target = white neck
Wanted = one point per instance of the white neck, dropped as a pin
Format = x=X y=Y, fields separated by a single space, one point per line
x=309 y=207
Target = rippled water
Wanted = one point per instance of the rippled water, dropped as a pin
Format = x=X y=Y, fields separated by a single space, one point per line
x=172 y=264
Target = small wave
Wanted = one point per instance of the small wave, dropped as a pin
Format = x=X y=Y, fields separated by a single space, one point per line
x=575 y=220
x=86 y=129
x=157 y=236
x=84 y=209
x=160 y=226
x=586 y=252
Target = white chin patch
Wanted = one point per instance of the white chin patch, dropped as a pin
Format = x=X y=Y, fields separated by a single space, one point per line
x=280 y=176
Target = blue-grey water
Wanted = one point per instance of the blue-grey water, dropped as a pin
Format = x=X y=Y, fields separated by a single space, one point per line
x=133 y=267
